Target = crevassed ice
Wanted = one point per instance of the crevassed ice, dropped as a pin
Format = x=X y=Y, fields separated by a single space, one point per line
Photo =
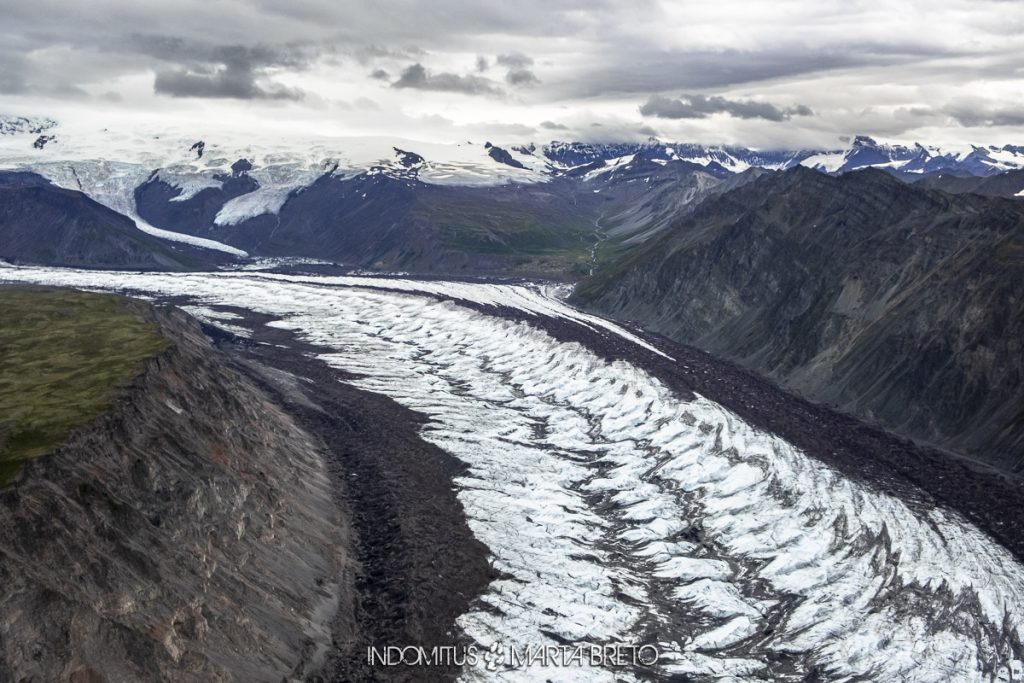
x=617 y=512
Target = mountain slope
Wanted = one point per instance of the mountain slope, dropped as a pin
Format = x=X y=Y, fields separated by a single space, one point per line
x=377 y=220
x=192 y=532
x=390 y=219
x=894 y=303
x=49 y=225
x=1009 y=184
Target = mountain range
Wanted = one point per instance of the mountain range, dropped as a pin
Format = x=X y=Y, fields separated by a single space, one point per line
x=881 y=279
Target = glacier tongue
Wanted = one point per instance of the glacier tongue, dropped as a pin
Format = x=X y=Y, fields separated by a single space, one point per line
x=113 y=184
x=616 y=511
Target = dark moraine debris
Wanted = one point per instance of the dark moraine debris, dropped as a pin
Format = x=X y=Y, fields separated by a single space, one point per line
x=419 y=564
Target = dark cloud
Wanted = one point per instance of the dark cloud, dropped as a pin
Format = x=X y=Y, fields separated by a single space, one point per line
x=648 y=131
x=521 y=77
x=482 y=64
x=551 y=125
x=972 y=115
x=223 y=71
x=416 y=76
x=380 y=75
x=514 y=60
x=234 y=83
x=701 y=106
x=518 y=65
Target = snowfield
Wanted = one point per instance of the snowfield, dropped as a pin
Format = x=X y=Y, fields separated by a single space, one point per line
x=78 y=158
x=618 y=512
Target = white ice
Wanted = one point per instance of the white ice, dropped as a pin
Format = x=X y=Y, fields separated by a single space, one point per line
x=586 y=479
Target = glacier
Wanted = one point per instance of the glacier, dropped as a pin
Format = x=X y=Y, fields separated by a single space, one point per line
x=618 y=511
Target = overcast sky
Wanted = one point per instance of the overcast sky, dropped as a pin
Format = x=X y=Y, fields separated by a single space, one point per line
x=786 y=73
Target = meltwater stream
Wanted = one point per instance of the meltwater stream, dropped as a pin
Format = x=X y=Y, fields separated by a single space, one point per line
x=617 y=512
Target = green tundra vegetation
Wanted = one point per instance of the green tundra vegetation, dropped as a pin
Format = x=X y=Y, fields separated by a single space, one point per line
x=64 y=355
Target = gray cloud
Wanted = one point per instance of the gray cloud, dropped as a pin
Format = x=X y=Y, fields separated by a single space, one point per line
x=521 y=77
x=416 y=76
x=518 y=65
x=228 y=82
x=973 y=115
x=368 y=53
x=482 y=64
x=380 y=75
x=701 y=106
x=551 y=125
x=514 y=60
x=223 y=71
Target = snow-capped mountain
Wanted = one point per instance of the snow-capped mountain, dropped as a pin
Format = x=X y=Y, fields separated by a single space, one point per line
x=715 y=158
x=254 y=176
x=863 y=152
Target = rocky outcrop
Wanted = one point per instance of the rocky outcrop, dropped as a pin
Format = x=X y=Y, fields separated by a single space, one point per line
x=41 y=223
x=192 y=533
x=896 y=304
x=161 y=205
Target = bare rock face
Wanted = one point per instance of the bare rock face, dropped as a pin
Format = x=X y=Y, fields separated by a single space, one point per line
x=896 y=304
x=190 y=534
x=46 y=224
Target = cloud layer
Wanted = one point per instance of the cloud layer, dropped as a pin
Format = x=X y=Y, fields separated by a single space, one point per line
x=739 y=71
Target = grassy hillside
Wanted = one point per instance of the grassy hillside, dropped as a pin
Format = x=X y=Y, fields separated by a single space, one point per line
x=63 y=356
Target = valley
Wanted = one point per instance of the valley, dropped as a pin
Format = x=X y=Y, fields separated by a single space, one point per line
x=615 y=502
x=755 y=411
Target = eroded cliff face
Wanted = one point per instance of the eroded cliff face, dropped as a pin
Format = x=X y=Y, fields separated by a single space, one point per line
x=193 y=533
